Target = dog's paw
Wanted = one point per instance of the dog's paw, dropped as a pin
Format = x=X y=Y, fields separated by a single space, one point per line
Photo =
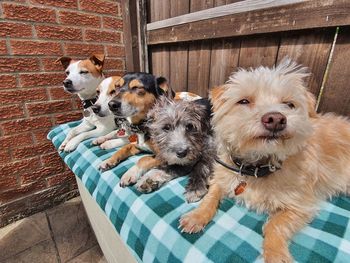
x=62 y=146
x=192 y=222
x=107 y=145
x=106 y=165
x=147 y=184
x=130 y=177
x=195 y=195
x=99 y=140
x=70 y=147
x=277 y=256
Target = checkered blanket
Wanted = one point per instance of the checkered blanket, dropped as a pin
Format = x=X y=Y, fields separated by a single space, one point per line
x=148 y=223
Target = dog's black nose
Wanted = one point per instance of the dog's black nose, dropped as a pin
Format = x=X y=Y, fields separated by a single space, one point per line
x=274 y=121
x=96 y=108
x=114 y=105
x=67 y=83
x=181 y=153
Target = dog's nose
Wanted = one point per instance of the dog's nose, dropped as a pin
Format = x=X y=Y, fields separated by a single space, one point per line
x=96 y=108
x=114 y=105
x=181 y=153
x=274 y=121
x=67 y=82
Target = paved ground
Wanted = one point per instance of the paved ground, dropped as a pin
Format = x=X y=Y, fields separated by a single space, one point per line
x=61 y=234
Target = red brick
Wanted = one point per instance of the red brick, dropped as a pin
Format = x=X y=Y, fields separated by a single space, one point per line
x=19 y=64
x=15 y=96
x=72 y=116
x=115 y=64
x=41 y=79
x=62 y=178
x=43 y=108
x=50 y=64
x=5 y=157
x=24 y=190
x=28 y=13
x=8 y=182
x=61 y=3
x=7 y=82
x=38 y=174
x=11 y=112
x=115 y=51
x=73 y=49
x=41 y=135
x=53 y=160
x=58 y=93
x=79 y=19
x=3 y=48
x=58 y=32
x=25 y=125
x=12 y=29
x=109 y=73
x=32 y=150
x=113 y=23
x=100 y=6
x=102 y=36
x=18 y=167
x=20 y=47
x=22 y=139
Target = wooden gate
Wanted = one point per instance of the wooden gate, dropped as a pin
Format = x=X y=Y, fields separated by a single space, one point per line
x=196 y=44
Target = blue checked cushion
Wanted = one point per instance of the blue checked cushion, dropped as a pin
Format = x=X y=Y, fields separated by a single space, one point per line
x=148 y=223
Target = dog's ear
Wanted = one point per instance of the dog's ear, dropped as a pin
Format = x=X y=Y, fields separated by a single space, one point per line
x=215 y=96
x=164 y=88
x=311 y=104
x=98 y=60
x=65 y=61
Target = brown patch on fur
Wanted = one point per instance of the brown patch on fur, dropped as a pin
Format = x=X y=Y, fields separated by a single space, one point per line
x=89 y=66
x=148 y=162
x=65 y=61
x=311 y=104
x=135 y=83
x=122 y=154
x=116 y=83
x=143 y=104
x=215 y=96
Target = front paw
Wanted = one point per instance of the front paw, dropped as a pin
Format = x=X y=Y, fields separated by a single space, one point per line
x=192 y=222
x=195 y=195
x=62 y=146
x=107 y=145
x=107 y=165
x=130 y=177
x=277 y=255
x=70 y=147
x=147 y=185
x=98 y=141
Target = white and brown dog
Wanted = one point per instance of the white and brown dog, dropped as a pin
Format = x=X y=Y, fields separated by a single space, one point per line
x=85 y=78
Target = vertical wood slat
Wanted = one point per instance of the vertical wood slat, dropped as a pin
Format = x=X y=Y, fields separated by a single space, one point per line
x=160 y=56
x=199 y=57
x=179 y=52
x=336 y=93
x=311 y=49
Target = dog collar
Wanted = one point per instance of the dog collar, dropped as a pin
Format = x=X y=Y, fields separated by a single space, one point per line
x=88 y=103
x=257 y=171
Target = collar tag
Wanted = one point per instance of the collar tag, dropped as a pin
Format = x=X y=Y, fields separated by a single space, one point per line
x=86 y=113
x=240 y=187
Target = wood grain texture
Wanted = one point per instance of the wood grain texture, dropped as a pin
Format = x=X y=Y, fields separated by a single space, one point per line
x=336 y=93
x=310 y=14
x=310 y=48
x=259 y=51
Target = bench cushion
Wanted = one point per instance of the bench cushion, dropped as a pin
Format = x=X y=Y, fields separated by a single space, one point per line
x=148 y=223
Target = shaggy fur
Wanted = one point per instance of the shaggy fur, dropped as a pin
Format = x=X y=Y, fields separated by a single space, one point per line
x=181 y=134
x=312 y=152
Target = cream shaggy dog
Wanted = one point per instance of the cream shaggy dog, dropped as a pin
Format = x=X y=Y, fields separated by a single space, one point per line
x=265 y=119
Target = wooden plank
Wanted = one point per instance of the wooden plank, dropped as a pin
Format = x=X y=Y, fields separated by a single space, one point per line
x=208 y=12
x=336 y=92
x=259 y=51
x=199 y=57
x=310 y=14
x=179 y=53
x=160 y=55
x=310 y=48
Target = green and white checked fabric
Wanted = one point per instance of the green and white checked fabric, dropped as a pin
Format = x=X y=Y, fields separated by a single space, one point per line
x=148 y=223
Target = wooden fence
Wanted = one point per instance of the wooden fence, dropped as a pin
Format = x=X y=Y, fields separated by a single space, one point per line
x=196 y=44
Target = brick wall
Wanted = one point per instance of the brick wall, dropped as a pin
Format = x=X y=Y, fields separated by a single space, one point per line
x=33 y=34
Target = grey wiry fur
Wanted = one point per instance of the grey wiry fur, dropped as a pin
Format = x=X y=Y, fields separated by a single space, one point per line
x=177 y=127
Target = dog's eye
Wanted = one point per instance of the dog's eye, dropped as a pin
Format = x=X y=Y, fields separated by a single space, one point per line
x=83 y=72
x=290 y=104
x=112 y=92
x=166 y=127
x=243 y=101
x=190 y=127
x=140 y=92
x=67 y=73
x=97 y=92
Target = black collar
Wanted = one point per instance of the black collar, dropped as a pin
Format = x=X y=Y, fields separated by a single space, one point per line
x=260 y=170
x=88 y=103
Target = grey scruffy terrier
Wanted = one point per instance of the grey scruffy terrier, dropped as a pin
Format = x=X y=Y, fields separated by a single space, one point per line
x=182 y=136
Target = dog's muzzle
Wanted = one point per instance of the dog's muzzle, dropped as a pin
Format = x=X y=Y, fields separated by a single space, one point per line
x=115 y=106
x=68 y=85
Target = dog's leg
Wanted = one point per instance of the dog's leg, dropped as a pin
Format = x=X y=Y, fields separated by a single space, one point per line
x=102 y=139
x=279 y=230
x=198 y=218
x=73 y=143
x=110 y=144
x=140 y=168
x=197 y=185
x=153 y=180
x=122 y=154
x=82 y=127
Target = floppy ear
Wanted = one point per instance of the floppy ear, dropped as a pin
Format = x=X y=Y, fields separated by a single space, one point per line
x=65 y=61
x=98 y=60
x=311 y=104
x=163 y=87
x=215 y=96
